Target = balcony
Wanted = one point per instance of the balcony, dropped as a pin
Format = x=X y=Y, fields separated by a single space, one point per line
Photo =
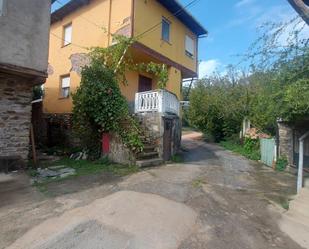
x=161 y=101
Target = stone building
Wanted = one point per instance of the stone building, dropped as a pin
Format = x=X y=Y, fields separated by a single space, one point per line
x=289 y=134
x=24 y=37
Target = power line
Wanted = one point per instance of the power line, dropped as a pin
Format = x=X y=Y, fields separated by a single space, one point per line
x=60 y=38
x=152 y=28
x=174 y=14
x=86 y=19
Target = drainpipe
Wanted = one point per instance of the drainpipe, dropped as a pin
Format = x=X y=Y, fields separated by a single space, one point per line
x=301 y=162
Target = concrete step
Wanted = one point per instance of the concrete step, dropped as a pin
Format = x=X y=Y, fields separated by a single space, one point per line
x=149 y=162
x=148 y=155
x=150 y=148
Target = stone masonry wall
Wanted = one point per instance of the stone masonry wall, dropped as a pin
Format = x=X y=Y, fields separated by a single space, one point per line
x=118 y=152
x=15 y=116
x=286 y=142
x=153 y=125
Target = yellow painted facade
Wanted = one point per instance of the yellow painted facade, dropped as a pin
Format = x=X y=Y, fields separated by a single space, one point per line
x=116 y=16
x=146 y=15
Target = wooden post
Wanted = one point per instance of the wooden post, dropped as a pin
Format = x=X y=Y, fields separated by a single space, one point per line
x=34 y=158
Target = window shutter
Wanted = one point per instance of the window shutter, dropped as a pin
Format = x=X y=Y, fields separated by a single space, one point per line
x=67 y=34
x=189 y=45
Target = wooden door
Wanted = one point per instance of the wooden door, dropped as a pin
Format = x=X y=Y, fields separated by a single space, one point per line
x=167 y=139
x=144 y=84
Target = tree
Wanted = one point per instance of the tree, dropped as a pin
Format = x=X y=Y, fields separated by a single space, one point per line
x=302 y=8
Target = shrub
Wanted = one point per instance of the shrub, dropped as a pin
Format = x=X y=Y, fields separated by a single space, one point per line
x=281 y=164
x=100 y=107
x=252 y=148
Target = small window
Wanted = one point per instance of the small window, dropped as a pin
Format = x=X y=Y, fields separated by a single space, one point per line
x=65 y=86
x=190 y=47
x=2 y=7
x=166 y=25
x=67 y=34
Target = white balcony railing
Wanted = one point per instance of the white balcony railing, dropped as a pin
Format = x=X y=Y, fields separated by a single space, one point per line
x=161 y=101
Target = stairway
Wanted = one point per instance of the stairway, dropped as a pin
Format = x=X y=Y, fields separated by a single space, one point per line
x=295 y=222
x=150 y=155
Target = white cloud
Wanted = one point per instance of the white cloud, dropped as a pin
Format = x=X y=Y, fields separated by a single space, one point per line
x=243 y=3
x=208 y=67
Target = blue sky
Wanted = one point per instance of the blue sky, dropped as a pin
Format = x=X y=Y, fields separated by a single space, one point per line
x=232 y=26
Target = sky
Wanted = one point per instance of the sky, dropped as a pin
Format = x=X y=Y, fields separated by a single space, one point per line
x=232 y=27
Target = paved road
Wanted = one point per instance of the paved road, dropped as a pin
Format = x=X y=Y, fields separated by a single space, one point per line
x=215 y=200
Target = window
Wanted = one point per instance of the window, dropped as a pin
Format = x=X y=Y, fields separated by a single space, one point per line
x=65 y=86
x=166 y=29
x=189 y=46
x=2 y=7
x=67 y=34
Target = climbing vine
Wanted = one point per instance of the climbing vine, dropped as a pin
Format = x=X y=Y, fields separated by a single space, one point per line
x=99 y=105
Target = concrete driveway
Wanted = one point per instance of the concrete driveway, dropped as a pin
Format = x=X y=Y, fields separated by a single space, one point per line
x=215 y=199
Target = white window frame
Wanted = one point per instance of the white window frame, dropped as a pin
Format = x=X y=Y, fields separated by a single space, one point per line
x=165 y=20
x=65 y=83
x=189 y=46
x=67 y=34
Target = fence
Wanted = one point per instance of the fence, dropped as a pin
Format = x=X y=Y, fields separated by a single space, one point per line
x=268 y=151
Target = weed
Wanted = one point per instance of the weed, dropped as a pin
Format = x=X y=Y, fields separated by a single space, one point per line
x=285 y=204
x=197 y=183
x=177 y=158
x=84 y=167
x=250 y=149
x=281 y=164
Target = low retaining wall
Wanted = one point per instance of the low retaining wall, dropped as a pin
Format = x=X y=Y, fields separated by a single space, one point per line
x=118 y=152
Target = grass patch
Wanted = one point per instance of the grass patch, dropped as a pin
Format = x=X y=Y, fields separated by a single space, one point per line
x=197 y=183
x=285 y=205
x=177 y=158
x=85 y=167
x=250 y=149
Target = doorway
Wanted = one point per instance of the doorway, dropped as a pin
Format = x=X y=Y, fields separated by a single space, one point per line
x=144 y=84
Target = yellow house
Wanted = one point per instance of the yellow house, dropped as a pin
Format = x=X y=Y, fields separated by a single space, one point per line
x=165 y=31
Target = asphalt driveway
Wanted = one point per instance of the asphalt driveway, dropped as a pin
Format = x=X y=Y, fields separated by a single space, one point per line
x=215 y=199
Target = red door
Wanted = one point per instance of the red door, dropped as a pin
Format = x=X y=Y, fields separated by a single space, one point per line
x=144 y=84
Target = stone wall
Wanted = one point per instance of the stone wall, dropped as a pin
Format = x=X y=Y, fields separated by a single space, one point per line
x=285 y=142
x=118 y=152
x=15 y=116
x=153 y=123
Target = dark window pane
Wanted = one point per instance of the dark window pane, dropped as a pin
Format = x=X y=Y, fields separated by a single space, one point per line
x=165 y=30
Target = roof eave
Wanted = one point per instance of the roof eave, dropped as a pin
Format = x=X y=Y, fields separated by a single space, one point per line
x=184 y=16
